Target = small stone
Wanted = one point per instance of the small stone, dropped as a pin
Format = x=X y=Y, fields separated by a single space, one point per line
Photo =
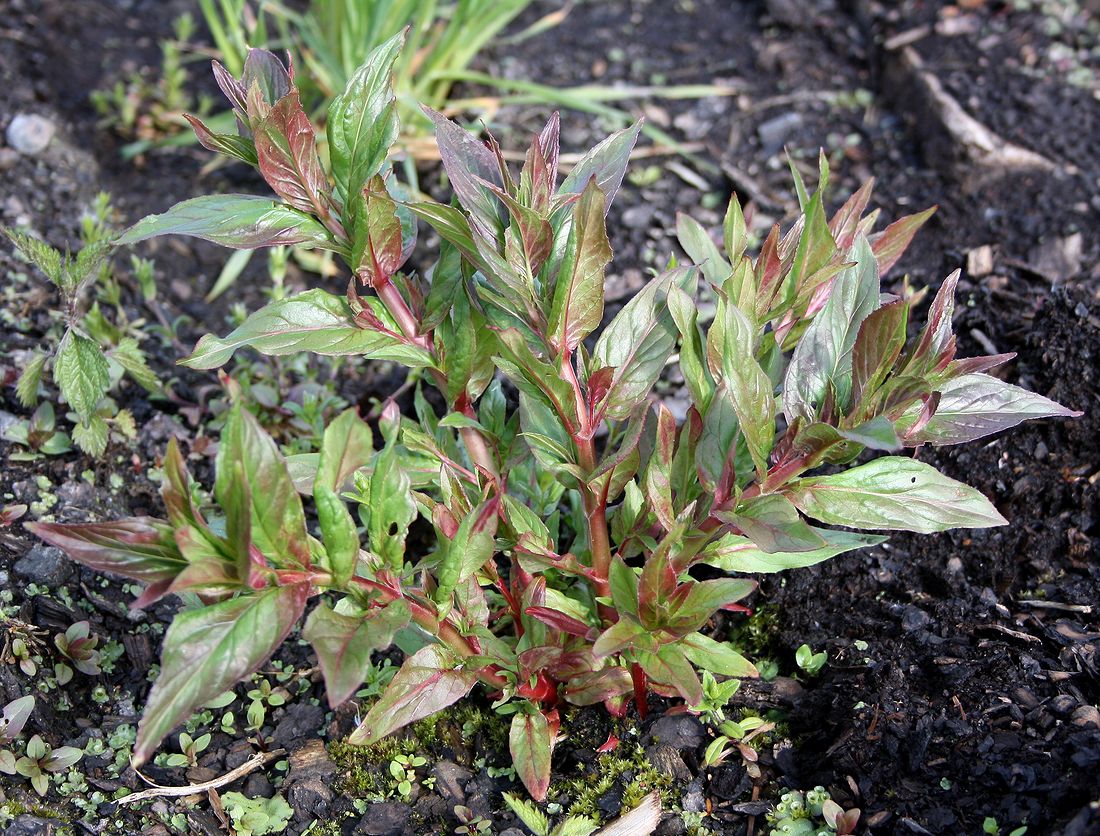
x=76 y=493
x=694 y=801
x=451 y=780
x=8 y=158
x=238 y=752
x=680 y=731
x=914 y=619
x=1086 y=717
x=979 y=262
x=387 y=818
x=28 y=825
x=301 y=721
x=257 y=786
x=638 y=217
x=1062 y=705
x=44 y=565
x=29 y=133
x=775 y=132
x=668 y=761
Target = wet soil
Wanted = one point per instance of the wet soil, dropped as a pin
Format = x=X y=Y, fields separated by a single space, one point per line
x=963 y=673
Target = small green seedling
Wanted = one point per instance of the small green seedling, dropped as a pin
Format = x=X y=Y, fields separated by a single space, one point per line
x=40 y=759
x=812 y=663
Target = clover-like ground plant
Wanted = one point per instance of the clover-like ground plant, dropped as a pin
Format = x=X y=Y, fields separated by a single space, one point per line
x=569 y=507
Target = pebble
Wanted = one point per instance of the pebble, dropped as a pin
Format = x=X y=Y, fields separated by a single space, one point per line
x=44 y=565
x=914 y=619
x=1086 y=716
x=776 y=131
x=28 y=825
x=29 y=133
x=1062 y=704
x=387 y=818
x=638 y=217
x=680 y=731
x=301 y=720
x=451 y=780
x=8 y=158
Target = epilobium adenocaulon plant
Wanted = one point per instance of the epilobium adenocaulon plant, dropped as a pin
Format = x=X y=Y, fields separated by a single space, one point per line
x=567 y=517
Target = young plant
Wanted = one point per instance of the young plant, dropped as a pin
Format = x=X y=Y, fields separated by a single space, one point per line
x=12 y=720
x=569 y=508
x=92 y=353
x=40 y=759
x=77 y=644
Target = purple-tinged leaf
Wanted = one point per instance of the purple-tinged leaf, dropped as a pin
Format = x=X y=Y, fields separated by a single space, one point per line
x=579 y=293
x=975 y=365
x=344 y=643
x=606 y=162
x=141 y=548
x=286 y=148
x=823 y=356
x=658 y=474
x=716 y=657
x=877 y=347
x=559 y=621
x=239 y=221
x=845 y=223
x=894 y=494
x=233 y=89
x=278 y=520
x=531 y=744
x=889 y=244
x=237 y=147
x=314 y=321
x=638 y=342
x=265 y=74
x=594 y=687
x=773 y=524
x=429 y=681
x=937 y=342
x=14 y=717
x=976 y=405
x=208 y=650
x=473 y=171
x=362 y=121
x=734 y=553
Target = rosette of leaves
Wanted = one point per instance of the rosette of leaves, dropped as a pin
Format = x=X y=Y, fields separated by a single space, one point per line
x=568 y=518
x=40 y=759
x=84 y=364
x=78 y=645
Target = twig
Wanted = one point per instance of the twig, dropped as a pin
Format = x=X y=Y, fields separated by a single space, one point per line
x=157 y=791
x=1055 y=605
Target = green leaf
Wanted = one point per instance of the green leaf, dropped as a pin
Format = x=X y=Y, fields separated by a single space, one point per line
x=734 y=553
x=362 y=122
x=471 y=548
x=716 y=657
x=239 y=221
x=392 y=507
x=128 y=355
x=81 y=372
x=237 y=147
x=692 y=357
x=208 y=650
x=38 y=253
x=530 y=743
x=344 y=643
x=312 y=321
x=702 y=250
x=624 y=633
x=895 y=494
x=973 y=406
x=704 y=599
x=529 y=814
x=141 y=548
x=638 y=342
x=91 y=435
x=823 y=356
x=26 y=390
x=670 y=667
x=429 y=681
x=750 y=388
x=578 y=295
x=278 y=521
x=339 y=534
x=347 y=446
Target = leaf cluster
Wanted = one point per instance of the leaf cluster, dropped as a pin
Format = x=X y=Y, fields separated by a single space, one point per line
x=570 y=509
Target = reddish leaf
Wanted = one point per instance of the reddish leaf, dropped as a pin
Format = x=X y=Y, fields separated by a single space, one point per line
x=429 y=681
x=141 y=548
x=531 y=744
x=559 y=621
x=286 y=147
x=889 y=245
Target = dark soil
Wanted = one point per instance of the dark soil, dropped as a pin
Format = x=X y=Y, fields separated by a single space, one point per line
x=963 y=673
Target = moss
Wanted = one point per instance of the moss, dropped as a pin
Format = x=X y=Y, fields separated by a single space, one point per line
x=631 y=769
x=756 y=635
